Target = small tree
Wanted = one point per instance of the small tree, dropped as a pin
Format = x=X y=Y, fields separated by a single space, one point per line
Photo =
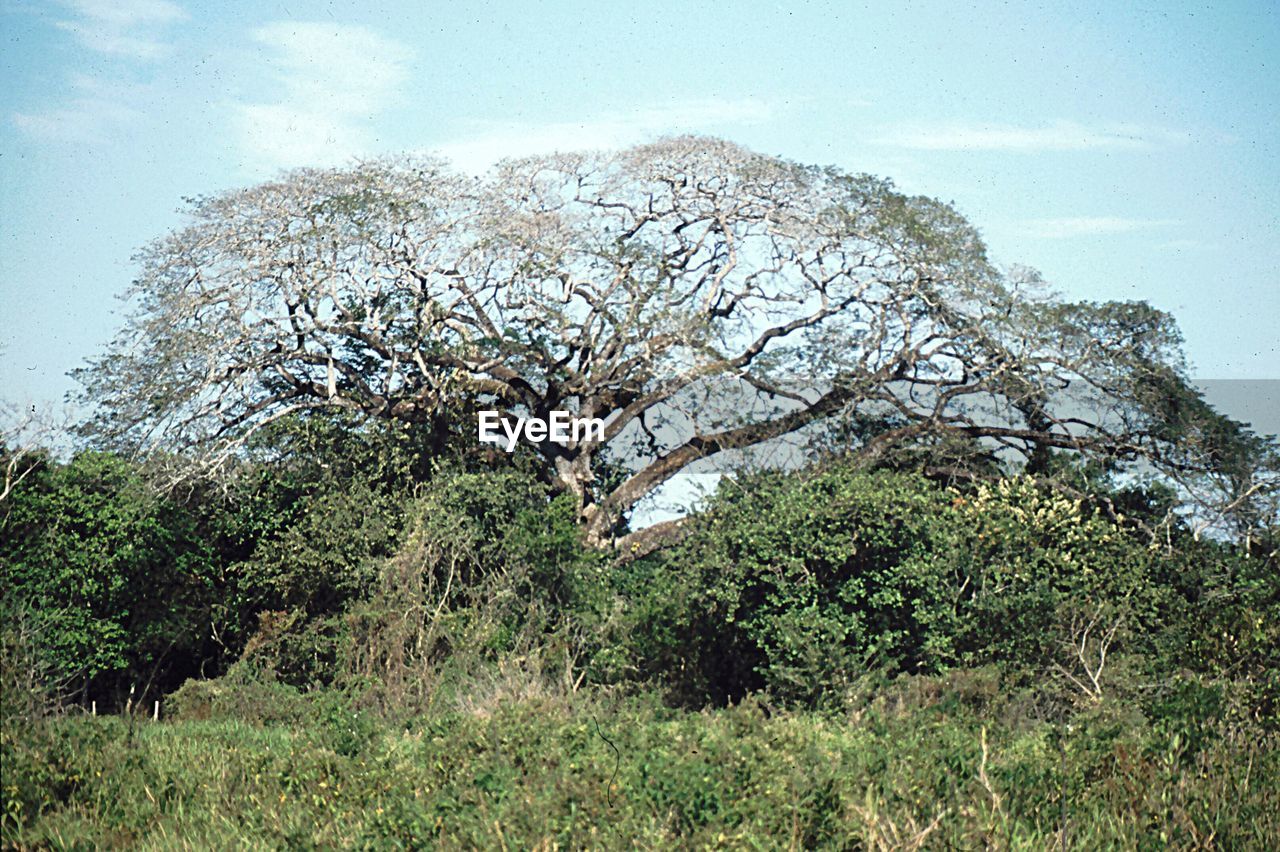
x=113 y=579
x=24 y=436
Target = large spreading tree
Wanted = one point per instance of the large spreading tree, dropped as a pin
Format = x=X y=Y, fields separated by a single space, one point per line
x=697 y=297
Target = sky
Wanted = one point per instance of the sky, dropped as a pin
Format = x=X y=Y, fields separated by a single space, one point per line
x=1126 y=150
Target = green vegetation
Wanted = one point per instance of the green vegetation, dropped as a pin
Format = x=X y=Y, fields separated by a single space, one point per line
x=832 y=658
x=1026 y=594
x=951 y=761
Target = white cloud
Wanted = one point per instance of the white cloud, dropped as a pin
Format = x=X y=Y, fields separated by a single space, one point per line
x=129 y=28
x=336 y=79
x=1089 y=226
x=96 y=105
x=1058 y=136
x=96 y=108
x=489 y=141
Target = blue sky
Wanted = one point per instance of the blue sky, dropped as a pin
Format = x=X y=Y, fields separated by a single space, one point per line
x=1127 y=150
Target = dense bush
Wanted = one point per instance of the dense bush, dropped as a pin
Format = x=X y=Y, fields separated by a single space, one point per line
x=302 y=527
x=492 y=568
x=1224 y=623
x=119 y=578
x=1034 y=568
x=799 y=584
x=134 y=589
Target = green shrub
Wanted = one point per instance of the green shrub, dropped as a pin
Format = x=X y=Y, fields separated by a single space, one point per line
x=491 y=568
x=118 y=575
x=1035 y=568
x=47 y=762
x=798 y=584
x=241 y=695
x=1227 y=620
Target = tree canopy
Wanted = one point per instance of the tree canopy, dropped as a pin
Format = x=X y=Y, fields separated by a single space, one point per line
x=697 y=297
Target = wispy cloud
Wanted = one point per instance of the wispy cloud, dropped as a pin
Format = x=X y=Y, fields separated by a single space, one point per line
x=1088 y=226
x=96 y=105
x=94 y=109
x=128 y=28
x=1057 y=136
x=489 y=142
x=335 y=78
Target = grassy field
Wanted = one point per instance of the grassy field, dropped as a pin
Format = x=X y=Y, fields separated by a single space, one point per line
x=928 y=763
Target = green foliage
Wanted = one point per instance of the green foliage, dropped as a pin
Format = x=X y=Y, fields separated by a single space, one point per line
x=947 y=762
x=328 y=556
x=797 y=584
x=492 y=566
x=507 y=520
x=256 y=698
x=427 y=655
x=1225 y=620
x=120 y=577
x=134 y=588
x=47 y=763
x=1033 y=566
x=30 y=685
x=800 y=584
x=303 y=528
x=243 y=695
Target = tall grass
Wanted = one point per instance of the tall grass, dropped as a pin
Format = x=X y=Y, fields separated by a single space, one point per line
x=927 y=763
